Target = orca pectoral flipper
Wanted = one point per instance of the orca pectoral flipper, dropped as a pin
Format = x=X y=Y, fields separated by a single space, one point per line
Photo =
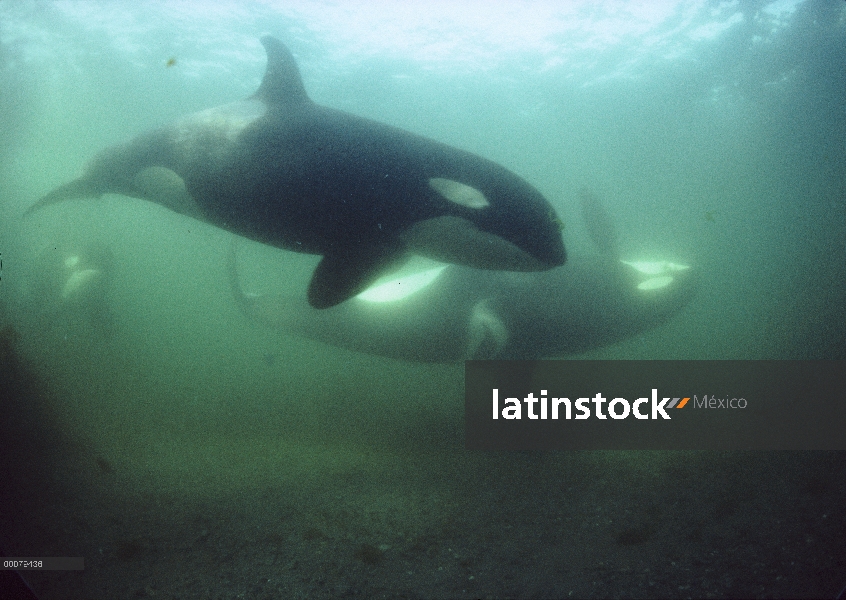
x=343 y=273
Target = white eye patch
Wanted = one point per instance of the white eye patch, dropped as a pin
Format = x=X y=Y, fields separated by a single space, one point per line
x=458 y=192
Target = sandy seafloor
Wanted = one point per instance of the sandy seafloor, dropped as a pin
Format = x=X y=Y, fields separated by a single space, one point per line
x=435 y=522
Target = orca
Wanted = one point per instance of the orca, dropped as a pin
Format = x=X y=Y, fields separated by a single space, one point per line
x=458 y=313
x=282 y=170
x=446 y=313
x=73 y=280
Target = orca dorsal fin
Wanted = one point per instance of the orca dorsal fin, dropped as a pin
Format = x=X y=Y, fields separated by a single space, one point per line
x=282 y=83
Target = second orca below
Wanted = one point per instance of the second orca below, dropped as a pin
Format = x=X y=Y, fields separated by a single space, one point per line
x=451 y=313
x=282 y=170
x=447 y=313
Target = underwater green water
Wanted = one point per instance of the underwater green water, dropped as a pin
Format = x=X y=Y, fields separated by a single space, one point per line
x=729 y=157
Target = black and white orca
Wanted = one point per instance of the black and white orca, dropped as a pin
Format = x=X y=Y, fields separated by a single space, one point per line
x=281 y=170
x=451 y=313
x=447 y=313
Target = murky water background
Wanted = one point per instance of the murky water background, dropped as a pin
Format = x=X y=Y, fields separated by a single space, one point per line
x=192 y=453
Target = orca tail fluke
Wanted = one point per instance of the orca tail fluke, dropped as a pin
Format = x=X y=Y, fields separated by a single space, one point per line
x=78 y=188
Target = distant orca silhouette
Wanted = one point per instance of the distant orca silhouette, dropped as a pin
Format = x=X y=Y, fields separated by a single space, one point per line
x=281 y=170
x=74 y=280
x=449 y=313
